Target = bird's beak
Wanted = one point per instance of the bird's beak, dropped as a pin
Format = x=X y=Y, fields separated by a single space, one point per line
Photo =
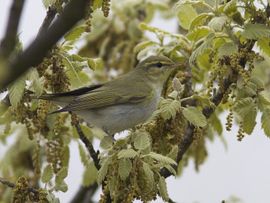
x=175 y=65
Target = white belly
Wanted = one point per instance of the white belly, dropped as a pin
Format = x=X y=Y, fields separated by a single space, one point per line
x=117 y=118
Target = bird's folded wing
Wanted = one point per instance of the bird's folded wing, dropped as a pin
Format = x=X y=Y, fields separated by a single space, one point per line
x=105 y=96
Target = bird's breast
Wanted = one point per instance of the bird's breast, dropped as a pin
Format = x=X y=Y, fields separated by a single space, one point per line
x=117 y=118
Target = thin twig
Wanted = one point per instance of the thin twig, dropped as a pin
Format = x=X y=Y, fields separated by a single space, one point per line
x=9 y=41
x=34 y=54
x=13 y=185
x=88 y=145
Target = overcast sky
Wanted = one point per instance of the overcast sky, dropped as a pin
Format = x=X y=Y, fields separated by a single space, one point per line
x=242 y=170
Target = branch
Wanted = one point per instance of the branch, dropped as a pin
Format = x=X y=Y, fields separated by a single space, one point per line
x=9 y=42
x=48 y=20
x=13 y=185
x=88 y=145
x=85 y=194
x=73 y=12
x=207 y=111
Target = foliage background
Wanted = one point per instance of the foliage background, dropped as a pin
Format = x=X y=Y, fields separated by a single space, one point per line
x=237 y=156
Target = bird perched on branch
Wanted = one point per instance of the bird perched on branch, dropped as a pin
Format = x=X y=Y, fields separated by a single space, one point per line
x=121 y=103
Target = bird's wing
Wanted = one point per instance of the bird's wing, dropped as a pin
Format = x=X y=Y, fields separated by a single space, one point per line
x=110 y=94
x=67 y=97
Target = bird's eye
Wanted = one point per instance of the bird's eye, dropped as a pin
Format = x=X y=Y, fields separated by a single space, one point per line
x=159 y=65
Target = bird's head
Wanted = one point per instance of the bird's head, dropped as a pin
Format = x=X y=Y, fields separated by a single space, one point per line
x=157 y=68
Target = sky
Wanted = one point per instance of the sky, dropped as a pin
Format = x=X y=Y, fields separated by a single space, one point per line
x=241 y=170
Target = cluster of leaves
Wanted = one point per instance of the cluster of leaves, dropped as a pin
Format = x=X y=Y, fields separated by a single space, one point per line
x=224 y=46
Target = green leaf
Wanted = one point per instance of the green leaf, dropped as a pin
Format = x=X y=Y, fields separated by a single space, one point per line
x=249 y=121
x=186 y=14
x=95 y=64
x=75 y=33
x=162 y=187
x=198 y=33
x=102 y=172
x=161 y=158
x=47 y=174
x=142 y=140
x=16 y=90
x=106 y=142
x=202 y=46
x=216 y=123
x=264 y=45
x=263 y=101
x=195 y=116
x=217 y=23
x=65 y=155
x=200 y=20
x=143 y=45
x=62 y=186
x=227 y=49
x=84 y=157
x=243 y=106
x=89 y=175
x=169 y=108
x=256 y=31
x=149 y=174
x=127 y=153
x=124 y=168
x=61 y=175
x=265 y=120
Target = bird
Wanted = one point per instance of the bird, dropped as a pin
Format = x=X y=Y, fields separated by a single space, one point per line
x=121 y=103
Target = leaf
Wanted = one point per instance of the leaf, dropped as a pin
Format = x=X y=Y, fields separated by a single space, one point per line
x=162 y=186
x=47 y=174
x=243 y=106
x=202 y=46
x=227 y=49
x=65 y=155
x=169 y=108
x=143 y=45
x=106 y=142
x=200 y=20
x=149 y=174
x=198 y=33
x=102 y=172
x=62 y=186
x=161 y=158
x=84 y=157
x=37 y=83
x=16 y=90
x=263 y=101
x=124 y=168
x=95 y=64
x=71 y=69
x=127 y=153
x=61 y=175
x=249 y=121
x=89 y=175
x=264 y=45
x=265 y=120
x=142 y=140
x=75 y=33
x=195 y=116
x=217 y=23
x=256 y=31
x=186 y=14
x=216 y=123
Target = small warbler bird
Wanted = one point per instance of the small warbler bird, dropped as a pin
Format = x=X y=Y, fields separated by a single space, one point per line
x=122 y=103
